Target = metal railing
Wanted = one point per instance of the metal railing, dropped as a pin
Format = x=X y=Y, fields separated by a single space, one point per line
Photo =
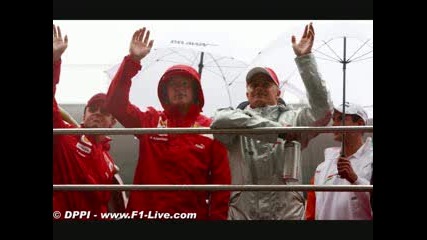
x=214 y=187
x=206 y=130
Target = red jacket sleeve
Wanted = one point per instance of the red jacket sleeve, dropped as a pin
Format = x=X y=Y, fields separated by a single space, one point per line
x=118 y=96
x=57 y=118
x=310 y=210
x=56 y=73
x=220 y=174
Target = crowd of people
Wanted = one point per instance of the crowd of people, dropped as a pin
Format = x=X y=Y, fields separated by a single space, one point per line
x=182 y=159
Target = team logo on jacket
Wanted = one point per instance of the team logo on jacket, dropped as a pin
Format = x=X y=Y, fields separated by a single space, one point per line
x=329 y=178
x=201 y=146
x=85 y=140
x=162 y=123
x=84 y=146
x=159 y=137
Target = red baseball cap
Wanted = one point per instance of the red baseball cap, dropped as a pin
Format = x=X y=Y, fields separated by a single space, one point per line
x=99 y=97
x=265 y=70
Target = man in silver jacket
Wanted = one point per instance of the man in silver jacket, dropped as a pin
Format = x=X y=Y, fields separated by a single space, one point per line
x=273 y=159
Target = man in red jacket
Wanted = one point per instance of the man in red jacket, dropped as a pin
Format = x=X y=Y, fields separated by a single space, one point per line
x=80 y=159
x=171 y=158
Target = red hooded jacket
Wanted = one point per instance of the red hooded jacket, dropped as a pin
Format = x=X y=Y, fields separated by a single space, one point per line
x=172 y=158
x=79 y=159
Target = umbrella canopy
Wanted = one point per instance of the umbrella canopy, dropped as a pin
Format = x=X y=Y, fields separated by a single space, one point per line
x=217 y=72
x=345 y=62
x=331 y=51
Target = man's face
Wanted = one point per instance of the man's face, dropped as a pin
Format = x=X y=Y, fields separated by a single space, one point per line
x=337 y=121
x=261 y=91
x=180 y=90
x=96 y=116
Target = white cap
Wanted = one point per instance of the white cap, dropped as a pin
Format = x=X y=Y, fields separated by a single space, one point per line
x=353 y=109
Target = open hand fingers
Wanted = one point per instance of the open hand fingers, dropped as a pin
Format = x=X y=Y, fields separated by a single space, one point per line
x=135 y=35
x=141 y=34
x=150 y=45
x=147 y=37
x=304 y=35
x=54 y=31
x=311 y=31
x=59 y=33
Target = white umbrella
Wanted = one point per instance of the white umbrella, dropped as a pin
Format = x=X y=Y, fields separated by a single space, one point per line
x=329 y=53
x=344 y=62
x=217 y=72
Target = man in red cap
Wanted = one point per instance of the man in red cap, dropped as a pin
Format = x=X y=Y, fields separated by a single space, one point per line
x=80 y=159
x=171 y=158
x=274 y=158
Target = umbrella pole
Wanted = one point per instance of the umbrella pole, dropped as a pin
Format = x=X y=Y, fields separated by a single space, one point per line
x=202 y=54
x=229 y=95
x=344 y=63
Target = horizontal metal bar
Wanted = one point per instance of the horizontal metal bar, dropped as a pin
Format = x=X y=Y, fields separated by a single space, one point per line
x=205 y=130
x=128 y=187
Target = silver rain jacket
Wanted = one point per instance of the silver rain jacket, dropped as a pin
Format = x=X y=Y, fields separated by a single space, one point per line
x=267 y=159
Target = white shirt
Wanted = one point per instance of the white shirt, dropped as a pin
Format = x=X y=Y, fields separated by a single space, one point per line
x=344 y=205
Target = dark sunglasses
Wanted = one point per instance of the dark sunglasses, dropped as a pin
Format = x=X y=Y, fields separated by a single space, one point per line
x=94 y=108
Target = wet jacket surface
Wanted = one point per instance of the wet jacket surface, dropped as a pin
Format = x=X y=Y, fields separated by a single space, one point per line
x=171 y=158
x=260 y=159
x=79 y=159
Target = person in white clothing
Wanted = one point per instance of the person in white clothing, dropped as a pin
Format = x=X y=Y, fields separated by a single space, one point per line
x=354 y=168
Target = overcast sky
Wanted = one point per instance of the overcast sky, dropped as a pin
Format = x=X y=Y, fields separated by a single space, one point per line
x=96 y=46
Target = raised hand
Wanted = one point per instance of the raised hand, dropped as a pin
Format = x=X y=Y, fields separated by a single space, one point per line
x=59 y=43
x=306 y=43
x=140 y=45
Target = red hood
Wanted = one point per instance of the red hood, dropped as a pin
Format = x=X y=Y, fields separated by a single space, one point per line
x=180 y=69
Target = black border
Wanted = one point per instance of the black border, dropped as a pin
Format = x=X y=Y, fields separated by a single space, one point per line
x=289 y=10
x=27 y=122
x=214 y=9
x=215 y=230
